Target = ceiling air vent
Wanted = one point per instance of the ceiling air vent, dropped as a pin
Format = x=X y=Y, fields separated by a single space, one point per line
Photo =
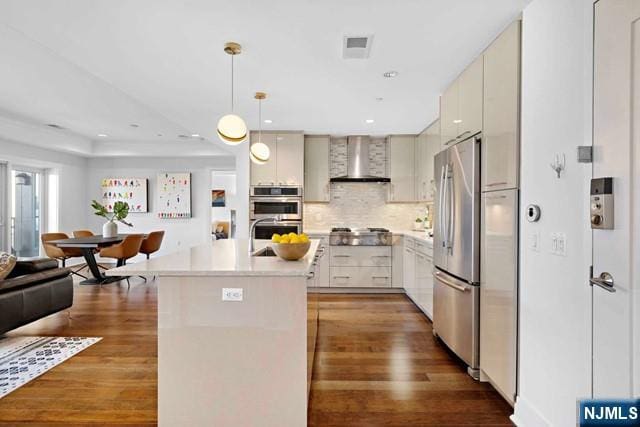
x=356 y=47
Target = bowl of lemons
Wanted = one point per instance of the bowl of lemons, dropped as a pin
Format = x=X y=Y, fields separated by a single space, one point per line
x=290 y=247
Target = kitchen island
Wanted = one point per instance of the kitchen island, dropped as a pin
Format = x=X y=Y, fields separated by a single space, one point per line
x=236 y=336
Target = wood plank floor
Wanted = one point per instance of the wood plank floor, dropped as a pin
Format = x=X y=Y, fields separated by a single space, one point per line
x=377 y=364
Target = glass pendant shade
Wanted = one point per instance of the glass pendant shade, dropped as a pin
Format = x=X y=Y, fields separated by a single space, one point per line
x=232 y=129
x=259 y=153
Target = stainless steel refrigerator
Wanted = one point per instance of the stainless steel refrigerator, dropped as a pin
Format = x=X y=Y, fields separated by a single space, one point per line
x=456 y=246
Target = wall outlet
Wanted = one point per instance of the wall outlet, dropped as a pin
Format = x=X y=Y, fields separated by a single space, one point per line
x=534 y=241
x=231 y=294
x=559 y=244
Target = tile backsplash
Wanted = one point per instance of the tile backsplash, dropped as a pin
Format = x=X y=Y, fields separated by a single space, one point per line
x=361 y=205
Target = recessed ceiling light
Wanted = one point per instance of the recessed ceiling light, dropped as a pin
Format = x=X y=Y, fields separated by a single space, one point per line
x=379 y=99
x=391 y=74
x=195 y=135
x=369 y=120
x=456 y=121
x=183 y=136
x=268 y=121
x=103 y=135
x=134 y=125
x=159 y=134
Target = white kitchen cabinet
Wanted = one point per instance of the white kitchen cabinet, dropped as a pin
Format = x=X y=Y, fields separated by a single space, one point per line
x=265 y=174
x=360 y=277
x=290 y=158
x=424 y=283
x=500 y=143
x=470 y=99
x=427 y=146
x=316 y=168
x=461 y=105
x=499 y=289
x=361 y=256
x=322 y=267
x=449 y=118
x=409 y=270
x=401 y=151
x=286 y=162
x=397 y=266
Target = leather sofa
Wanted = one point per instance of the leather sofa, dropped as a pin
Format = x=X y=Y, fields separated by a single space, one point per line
x=35 y=288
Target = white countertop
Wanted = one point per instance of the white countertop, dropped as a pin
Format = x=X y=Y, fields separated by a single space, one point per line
x=227 y=257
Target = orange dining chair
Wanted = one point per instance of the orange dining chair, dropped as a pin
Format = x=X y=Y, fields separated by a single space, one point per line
x=83 y=233
x=124 y=250
x=62 y=254
x=151 y=244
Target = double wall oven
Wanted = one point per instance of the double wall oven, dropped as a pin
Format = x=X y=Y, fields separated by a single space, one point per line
x=267 y=201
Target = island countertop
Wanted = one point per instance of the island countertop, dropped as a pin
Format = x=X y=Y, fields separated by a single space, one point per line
x=227 y=257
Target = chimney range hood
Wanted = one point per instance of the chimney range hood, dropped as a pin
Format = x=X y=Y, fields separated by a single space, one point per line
x=358 y=162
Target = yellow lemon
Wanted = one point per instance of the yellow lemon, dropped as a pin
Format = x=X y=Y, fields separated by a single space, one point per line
x=292 y=234
x=284 y=239
x=276 y=238
x=303 y=238
x=295 y=239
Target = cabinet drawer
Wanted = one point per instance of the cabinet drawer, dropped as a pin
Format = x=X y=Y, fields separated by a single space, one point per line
x=361 y=256
x=360 y=277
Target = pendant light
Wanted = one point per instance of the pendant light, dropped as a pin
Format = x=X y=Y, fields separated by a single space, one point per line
x=232 y=129
x=259 y=152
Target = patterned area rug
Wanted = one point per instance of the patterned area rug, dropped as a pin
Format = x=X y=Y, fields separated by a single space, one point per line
x=24 y=358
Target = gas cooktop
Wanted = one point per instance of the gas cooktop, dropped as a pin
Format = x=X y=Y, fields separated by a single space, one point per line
x=371 y=236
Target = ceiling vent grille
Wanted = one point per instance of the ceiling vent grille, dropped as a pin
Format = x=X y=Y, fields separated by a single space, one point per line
x=356 y=47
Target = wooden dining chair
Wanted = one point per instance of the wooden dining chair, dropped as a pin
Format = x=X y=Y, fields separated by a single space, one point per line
x=124 y=250
x=62 y=254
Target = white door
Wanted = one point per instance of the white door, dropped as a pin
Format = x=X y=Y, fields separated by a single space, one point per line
x=616 y=141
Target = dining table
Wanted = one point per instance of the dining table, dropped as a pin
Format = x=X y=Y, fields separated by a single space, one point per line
x=89 y=246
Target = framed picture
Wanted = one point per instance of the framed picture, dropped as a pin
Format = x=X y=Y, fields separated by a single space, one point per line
x=133 y=191
x=174 y=195
x=217 y=199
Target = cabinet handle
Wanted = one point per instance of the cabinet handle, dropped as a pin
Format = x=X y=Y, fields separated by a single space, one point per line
x=342 y=277
x=379 y=277
x=342 y=256
x=380 y=256
x=463 y=133
x=450 y=141
x=495 y=183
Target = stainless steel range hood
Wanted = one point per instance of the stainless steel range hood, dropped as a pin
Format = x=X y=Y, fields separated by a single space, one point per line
x=358 y=162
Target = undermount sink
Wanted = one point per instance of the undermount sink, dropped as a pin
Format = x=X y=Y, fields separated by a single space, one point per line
x=266 y=251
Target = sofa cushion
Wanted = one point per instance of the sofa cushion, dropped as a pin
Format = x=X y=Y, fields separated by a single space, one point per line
x=7 y=263
x=33 y=265
x=32 y=279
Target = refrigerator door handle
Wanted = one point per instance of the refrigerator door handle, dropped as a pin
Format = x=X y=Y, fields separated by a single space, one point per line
x=440 y=278
x=441 y=206
x=451 y=212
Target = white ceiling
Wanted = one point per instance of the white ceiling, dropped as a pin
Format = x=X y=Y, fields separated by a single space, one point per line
x=98 y=66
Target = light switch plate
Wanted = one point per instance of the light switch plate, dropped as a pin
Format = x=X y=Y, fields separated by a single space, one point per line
x=558 y=244
x=231 y=294
x=534 y=241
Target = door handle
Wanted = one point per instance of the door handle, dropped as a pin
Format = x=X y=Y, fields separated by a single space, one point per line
x=605 y=281
x=451 y=213
x=450 y=141
x=463 y=133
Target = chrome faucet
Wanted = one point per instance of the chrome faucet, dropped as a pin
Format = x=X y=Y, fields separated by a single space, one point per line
x=275 y=218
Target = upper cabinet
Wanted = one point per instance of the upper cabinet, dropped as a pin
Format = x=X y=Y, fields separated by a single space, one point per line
x=316 y=168
x=401 y=160
x=500 y=152
x=427 y=146
x=461 y=105
x=286 y=163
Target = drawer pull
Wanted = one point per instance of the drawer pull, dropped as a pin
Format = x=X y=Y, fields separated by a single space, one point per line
x=342 y=277
x=379 y=277
x=495 y=183
x=380 y=256
x=342 y=256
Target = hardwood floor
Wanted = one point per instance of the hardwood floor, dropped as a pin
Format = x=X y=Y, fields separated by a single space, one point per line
x=377 y=363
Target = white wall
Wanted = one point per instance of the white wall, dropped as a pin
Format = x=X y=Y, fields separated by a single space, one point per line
x=180 y=233
x=227 y=181
x=555 y=298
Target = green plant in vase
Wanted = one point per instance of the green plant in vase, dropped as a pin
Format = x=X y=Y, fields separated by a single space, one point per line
x=120 y=212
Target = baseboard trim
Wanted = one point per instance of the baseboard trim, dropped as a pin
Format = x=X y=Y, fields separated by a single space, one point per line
x=526 y=415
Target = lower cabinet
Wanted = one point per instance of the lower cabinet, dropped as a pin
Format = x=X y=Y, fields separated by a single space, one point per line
x=418 y=274
x=321 y=279
x=360 y=267
x=360 y=277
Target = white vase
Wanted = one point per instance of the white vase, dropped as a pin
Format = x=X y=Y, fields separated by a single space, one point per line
x=110 y=229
